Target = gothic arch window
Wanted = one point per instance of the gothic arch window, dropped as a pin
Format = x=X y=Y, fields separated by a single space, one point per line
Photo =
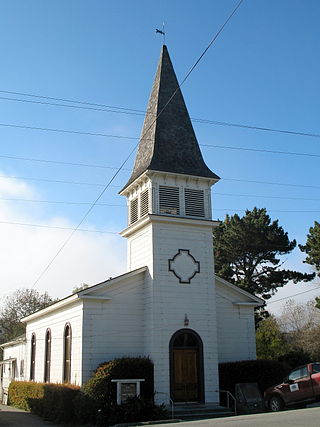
x=33 y=357
x=67 y=338
x=47 y=356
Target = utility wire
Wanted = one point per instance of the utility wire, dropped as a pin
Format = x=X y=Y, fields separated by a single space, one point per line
x=56 y=227
x=73 y=101
x=134 y=148
x=123 y=110
x=113 y=232
x=260 y=150
x=105 y=135
x=68 y=202
x=29 y=101
x=294 y=295
x=57 y=202
x=30 y=159
x=119 y=186
x=137 y=138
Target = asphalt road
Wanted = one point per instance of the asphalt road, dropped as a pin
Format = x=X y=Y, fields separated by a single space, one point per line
x=12 y=417
x=310 y=417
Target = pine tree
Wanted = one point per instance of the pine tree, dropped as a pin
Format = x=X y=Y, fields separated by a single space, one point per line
x=247 y=253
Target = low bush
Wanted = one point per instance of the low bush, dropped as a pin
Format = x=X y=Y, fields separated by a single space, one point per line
x=21 y=391
x=133 y=410
x=51 y=401
x=97 y=401
x=263 y=372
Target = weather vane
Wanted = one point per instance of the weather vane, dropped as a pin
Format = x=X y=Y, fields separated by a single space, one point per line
x=162 y=32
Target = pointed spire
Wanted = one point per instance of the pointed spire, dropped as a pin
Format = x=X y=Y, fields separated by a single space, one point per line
x=168 y=142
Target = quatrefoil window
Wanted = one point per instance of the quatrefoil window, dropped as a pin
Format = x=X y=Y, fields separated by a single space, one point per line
x=184 y=266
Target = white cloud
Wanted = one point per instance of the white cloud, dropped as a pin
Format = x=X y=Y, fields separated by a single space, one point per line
x=26 y=251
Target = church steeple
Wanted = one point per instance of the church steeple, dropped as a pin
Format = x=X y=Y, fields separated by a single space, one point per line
x=168 y=142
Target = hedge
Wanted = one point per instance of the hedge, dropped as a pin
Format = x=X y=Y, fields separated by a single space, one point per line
x=97 y=400
x=264 y=372
x=51 y=401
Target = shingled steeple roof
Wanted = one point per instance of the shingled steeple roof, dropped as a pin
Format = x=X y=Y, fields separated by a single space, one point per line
x=168 y=142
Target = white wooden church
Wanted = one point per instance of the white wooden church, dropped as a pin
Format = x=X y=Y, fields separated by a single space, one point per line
x=169 y=305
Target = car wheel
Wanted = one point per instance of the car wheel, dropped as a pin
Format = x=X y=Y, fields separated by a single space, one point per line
x=276 y=404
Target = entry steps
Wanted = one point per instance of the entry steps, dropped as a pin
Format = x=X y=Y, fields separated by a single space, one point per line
x=200 y=411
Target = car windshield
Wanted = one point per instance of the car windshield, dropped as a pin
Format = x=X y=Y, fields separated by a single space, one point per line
x=316 y=368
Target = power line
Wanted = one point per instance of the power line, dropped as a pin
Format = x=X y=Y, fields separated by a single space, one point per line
x=260 y=150
x=68 y=202
x=121 y=110
x=104 y=135
x=30 y=159
x=265 y=196
x=271 y=183
x=132 y=111
x=118 y=186
x=137 y=138
x=73 y=101
x=58 y=202
x=55 y=227
x=56 y=181
x=131 y=152
x=265 y=129
x=294 y=295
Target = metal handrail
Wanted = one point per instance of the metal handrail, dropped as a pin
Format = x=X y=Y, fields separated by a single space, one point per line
x=228 y=399
x=171 y=401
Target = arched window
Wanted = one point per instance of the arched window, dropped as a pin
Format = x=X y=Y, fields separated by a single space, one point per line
x=33 y=357
x=67 y=354
x=47 y=356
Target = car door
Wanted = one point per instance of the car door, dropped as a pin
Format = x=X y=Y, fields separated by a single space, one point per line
x=315 y=378
x=301 y=388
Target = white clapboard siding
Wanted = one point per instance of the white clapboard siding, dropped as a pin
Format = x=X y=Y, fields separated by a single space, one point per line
x=113 y=328
x=56 y=321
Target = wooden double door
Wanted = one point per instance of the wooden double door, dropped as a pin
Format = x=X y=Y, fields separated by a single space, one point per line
x=186 y=366
x=186 y=375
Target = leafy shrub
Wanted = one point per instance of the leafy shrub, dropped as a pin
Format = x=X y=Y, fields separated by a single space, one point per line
x=133 y=410
x=52 y=401
x=20 y=391
x=264 y=372
x=98 y=397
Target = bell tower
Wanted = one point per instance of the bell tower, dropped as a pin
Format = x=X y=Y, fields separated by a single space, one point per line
x=170 y=231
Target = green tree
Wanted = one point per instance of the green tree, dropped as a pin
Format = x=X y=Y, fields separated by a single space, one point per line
x=247 y=253
x=17 y=305
x=270 y=340
x=79 y=288
x=312 y=249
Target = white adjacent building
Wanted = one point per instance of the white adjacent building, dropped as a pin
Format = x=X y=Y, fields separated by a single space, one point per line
x=169 y=305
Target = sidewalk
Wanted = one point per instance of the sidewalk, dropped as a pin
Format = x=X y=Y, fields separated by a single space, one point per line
x=12 y=417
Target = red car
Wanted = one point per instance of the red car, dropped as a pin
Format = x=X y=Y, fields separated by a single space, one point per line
x=301 y=386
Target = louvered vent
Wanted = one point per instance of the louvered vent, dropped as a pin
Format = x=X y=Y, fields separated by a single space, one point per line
x=133 y=211
x=144 y=203
x=194 y=202
x=169 y=200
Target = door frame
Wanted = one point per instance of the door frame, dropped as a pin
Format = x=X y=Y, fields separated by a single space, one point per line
x=200 y=362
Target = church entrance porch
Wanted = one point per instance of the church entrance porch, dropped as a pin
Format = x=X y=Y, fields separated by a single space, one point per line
x=186 y=367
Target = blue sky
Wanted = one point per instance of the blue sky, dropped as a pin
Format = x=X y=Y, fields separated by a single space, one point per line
x=262 y=71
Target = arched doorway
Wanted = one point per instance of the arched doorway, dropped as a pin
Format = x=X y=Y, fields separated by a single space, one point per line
x=186 y=367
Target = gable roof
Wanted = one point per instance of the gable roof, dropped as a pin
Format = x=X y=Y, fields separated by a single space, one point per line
x=245 y=298
x=83 y=294
x=168 y=142
x=18 y=340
